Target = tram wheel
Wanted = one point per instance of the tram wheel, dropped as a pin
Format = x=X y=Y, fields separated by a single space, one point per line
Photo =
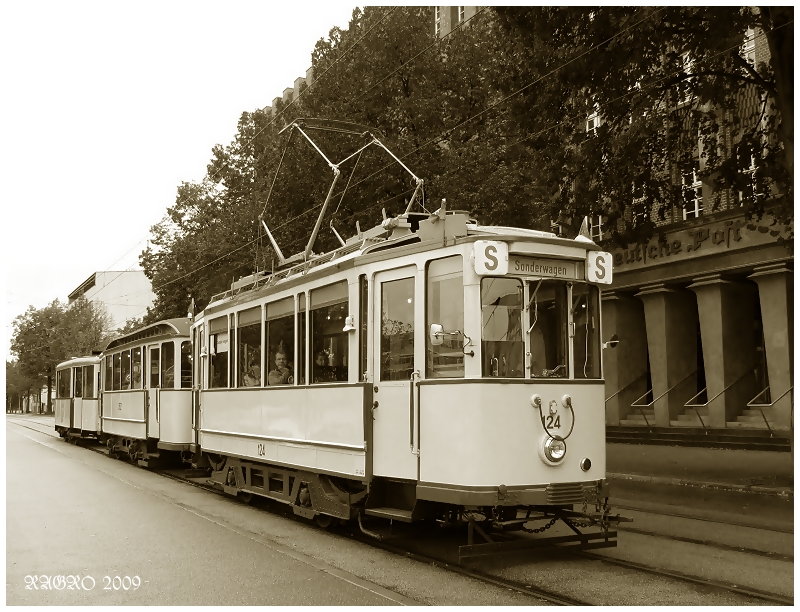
x=245 y=497
x=325 y=521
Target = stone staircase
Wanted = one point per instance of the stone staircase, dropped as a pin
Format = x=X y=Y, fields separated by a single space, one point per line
x=689 y=418
x=736 y=439
x=752 y=419
x=635 y=418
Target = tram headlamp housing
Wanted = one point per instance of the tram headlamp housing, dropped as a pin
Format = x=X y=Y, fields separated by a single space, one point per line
x=552 y=451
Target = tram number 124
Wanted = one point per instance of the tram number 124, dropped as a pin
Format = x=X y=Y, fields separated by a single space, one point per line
x=261 y=450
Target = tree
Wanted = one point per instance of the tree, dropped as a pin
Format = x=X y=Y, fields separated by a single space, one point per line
x=18 y=385
x=45 y=337
x=657 y=77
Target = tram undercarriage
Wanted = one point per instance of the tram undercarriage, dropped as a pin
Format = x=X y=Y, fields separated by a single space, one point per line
x=328 y=500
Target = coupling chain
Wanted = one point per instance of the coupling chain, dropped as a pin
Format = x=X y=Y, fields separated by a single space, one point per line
x=542 y=528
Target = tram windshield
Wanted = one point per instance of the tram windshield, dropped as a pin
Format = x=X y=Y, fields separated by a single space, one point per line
x=547 y=315
x=502 y=345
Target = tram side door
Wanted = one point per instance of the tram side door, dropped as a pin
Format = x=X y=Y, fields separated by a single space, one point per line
x=395 y=374
x=153 y=386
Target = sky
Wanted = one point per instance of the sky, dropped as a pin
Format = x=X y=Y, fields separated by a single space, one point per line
x=107 y=107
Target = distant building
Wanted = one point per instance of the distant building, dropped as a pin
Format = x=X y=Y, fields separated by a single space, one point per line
x=125 y=294
x=445 y=18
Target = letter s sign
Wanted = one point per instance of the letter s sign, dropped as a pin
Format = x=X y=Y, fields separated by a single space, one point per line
x=599 y=267
x=490 y=257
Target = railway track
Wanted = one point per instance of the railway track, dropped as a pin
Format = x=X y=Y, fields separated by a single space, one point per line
x=533 y=591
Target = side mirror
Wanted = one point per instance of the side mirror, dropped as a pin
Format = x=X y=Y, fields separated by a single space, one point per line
x=437 y=334
x=613 y=342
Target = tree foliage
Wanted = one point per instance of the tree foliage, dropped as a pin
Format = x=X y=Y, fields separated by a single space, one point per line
x=44 y=337
x=658 y=78
x=492 y=117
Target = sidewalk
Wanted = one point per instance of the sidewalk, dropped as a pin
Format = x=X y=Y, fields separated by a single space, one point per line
x=742 y=470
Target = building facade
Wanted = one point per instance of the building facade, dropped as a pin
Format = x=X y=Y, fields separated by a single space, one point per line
x=125 y=294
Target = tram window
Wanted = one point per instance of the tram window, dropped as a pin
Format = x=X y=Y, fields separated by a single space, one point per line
x=250 y=348
x=154 y=368
x=136 y=374
x=280 y=346
x=363 y=296
x=586 y=342
x=501 y=328
x=218 y=360
x=117 y=362
x=548 y=324
x=108 y=385
x=397 y=329
x=78 y=382
x=201 y=348
x=88 y=382
x=301 y=338
x=232 y=351
x=329 y=343
x=446 y=307
x=126 y=370
x=62 y=383
x=168 y=365
x=186 y=365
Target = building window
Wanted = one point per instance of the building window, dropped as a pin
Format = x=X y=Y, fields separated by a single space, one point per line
x=437 y=20
x=596 y=227
x=686 y=86
x=592 y=123
x=692 y=195
x=461 y=14
x=749 y=47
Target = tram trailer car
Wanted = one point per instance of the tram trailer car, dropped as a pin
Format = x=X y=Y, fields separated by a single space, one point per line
x=429 y=368
x=147 y=393
x=77 y=403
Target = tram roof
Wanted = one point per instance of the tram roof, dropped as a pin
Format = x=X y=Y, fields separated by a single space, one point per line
x=371 y=242
x=79 y=361
x=162 y=329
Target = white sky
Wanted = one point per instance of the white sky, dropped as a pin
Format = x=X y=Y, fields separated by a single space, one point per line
x=106 y=107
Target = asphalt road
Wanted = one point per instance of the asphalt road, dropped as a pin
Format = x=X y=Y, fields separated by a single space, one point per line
x=72 y=512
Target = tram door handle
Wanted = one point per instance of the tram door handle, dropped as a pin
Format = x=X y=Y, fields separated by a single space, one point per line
x=414 y=413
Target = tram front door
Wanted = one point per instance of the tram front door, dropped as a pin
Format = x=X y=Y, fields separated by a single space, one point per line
x=395 y=375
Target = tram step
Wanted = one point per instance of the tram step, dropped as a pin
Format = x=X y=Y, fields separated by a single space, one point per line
x=390 y=513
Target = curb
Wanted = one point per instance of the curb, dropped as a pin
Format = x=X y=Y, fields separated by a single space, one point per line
x=779 y=491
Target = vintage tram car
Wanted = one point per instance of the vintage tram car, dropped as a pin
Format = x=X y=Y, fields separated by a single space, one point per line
x=77 y=402
x=147 y=392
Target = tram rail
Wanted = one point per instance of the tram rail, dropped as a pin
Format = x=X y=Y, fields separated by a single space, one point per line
x=553 y=598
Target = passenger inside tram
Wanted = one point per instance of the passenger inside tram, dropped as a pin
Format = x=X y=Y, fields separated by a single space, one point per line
x=322 y=373
x=282 y=373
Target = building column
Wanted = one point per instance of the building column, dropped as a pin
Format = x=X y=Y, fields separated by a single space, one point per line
x=775 y=292
x=671 y=319
x=624 y=366
x=726 y=311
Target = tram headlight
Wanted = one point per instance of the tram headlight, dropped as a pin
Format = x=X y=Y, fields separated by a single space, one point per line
x=554 y=450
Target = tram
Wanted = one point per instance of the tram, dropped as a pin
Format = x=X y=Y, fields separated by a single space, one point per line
x=428 y=368
x=147 y=392
x=77 y=402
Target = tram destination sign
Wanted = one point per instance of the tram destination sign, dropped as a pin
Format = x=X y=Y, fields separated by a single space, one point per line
x=538 y=266
x=491 y=258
